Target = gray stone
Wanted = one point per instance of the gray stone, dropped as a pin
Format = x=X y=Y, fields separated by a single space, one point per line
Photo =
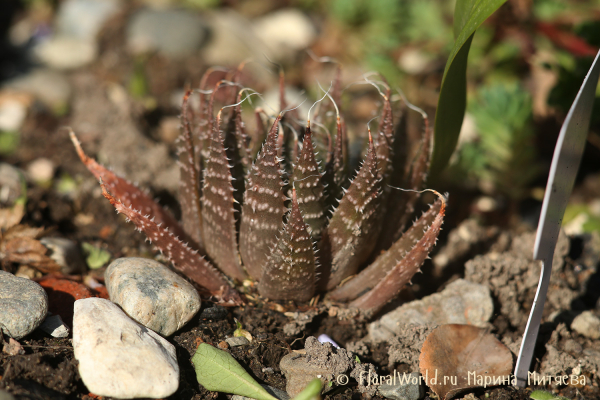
x=587 y=324
x=66 y=253
x=285 y=33
x=51 y=87
x=173 y=33
x=4 y=395
x=66 y=53
x=41 y=170
x=407 y=387
x=55 y=327
x=83 y=19
x=12 y=184
x=237 y=341
x=12 y=115
x=152 y=294
x=118 y=357
x=462 y=302
x=23 y=305
x=279 y=394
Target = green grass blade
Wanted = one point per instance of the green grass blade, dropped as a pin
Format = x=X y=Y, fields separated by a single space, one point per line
x=218 y=371
x=468 y=15
x=312 y=391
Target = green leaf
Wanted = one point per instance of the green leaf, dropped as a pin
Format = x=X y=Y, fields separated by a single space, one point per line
x=542 y=395
x=468 y=15
x=311 y=391
x=97 y=257
x=218 y=371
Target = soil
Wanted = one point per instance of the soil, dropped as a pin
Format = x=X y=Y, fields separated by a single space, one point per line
x=113 y=130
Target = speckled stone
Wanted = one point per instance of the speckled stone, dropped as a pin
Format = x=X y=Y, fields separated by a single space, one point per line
x=119 y=357
x=23 y=305
x=151 y=294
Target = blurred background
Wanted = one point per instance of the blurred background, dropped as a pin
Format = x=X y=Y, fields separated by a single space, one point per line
x=115 y=71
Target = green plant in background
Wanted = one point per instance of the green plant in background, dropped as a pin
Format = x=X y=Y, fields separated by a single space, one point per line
x=542 y=395
x=96 y=256
x=503 y=156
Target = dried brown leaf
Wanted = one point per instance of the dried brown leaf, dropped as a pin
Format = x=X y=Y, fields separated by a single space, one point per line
x=456 y=357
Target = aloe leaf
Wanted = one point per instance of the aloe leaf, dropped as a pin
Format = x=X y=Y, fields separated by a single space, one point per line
x=263 y=209
x=218 y=371
x=130 y=195
x=183 y=257
x=400 y=275
x=190 y=177
x=312 y=391
x=355 y=224
x=309 y=188
x=374 y=273
x=290 y=272
x=219 y=224
x=468 y=15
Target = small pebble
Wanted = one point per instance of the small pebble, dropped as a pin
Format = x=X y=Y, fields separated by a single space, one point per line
x=406 y=387
x=55 y=327
x=118 y=357
x=223 y=345
x=151 y=294
x=237 y=341
x=66 y=253
x=65 y=53
x=23 y=305
x=587 y=324
x=461 y=302
x=215 y=313
x=41 y=170
x=13 y=348
x=174 y=33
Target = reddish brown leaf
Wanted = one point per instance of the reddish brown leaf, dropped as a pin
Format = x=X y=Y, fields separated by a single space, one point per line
x=263 y=209
x=309 y=188
x=189 y=180
x=290 y=270
x=183 y=258
x=336 y=174
x=456 y=357
x=350 y=236
x=217 y=210
x=403 y=271
x=128 y=194
x=374 y=273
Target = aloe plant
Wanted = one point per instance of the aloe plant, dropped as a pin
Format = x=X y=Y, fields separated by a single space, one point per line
x=303 y=228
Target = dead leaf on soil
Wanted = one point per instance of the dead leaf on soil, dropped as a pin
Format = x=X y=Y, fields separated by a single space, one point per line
x=20 y=244
x=456 y=357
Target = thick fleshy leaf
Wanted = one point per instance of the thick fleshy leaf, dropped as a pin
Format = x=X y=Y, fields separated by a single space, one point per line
x=219 y=224
x=467 y=356
x=189 y=178
x=368 y=278
x=290 y=272
x=350 y=236
x=468 y=15
x=336 y=173
x=128 y=194
x=309 y=188
x=385 y=140
x=218 y=371
x=403 y=271
x=183 y=257
x=263 y=209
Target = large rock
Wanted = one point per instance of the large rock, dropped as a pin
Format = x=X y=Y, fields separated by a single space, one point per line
x=152 y=294
x=462 y=302
x=23 y=305
x=83 y=19
x=118 y=357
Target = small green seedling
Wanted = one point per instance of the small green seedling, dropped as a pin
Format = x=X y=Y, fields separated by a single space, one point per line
x=312 y=391
x=97 y=257
x=542 y=395
x=240 y=331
